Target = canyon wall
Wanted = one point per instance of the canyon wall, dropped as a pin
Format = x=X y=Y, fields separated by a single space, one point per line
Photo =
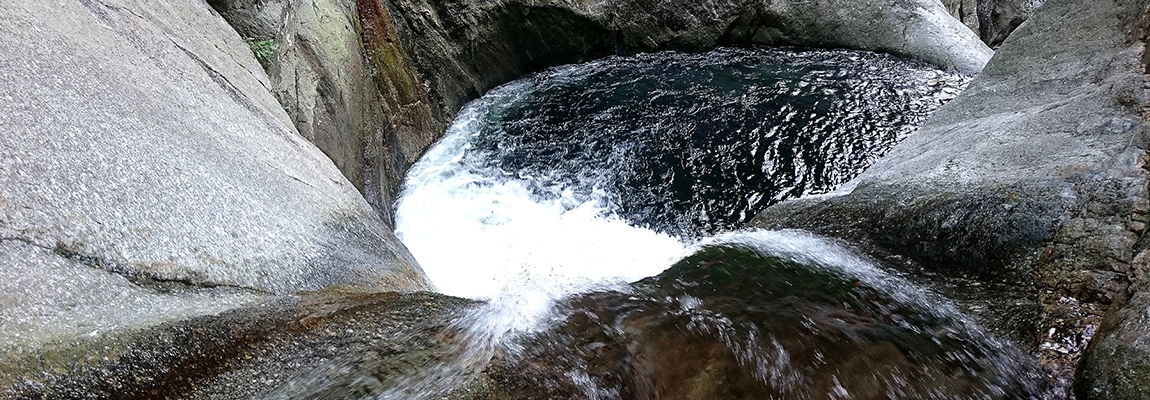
x=147 y=175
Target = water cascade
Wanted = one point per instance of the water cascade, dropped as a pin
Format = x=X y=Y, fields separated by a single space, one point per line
x=564 y=187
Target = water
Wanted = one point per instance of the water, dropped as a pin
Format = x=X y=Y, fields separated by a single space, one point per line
x=695 y=144
x=583 y=178
x=785 y=315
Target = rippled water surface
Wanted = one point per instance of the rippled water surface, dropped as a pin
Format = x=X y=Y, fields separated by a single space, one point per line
x=692 y=144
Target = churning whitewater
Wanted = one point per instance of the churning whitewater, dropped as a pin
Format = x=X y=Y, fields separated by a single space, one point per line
x=566 y=187
x=598 y=173
x=506 y=243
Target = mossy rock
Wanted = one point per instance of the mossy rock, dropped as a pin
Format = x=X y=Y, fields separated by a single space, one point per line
x=732 y=323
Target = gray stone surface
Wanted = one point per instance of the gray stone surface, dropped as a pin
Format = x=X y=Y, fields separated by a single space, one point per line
x=1118 y=366
x=140 y=137
x=315 y=346
x=993 y=20
x=1031 y=178
x=322 y=81
x=324 y=84
x=148 y=177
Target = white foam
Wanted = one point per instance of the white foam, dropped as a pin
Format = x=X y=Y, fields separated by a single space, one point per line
x=479 y=235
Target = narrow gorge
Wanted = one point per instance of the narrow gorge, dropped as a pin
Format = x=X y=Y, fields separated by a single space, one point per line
x=573 y=199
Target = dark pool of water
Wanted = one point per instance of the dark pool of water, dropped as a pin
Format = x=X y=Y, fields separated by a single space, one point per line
x=693 y=144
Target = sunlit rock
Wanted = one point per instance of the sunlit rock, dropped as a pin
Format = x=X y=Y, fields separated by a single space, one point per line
x=148 y=175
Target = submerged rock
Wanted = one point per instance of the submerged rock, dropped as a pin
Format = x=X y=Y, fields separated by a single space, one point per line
x=730 y=322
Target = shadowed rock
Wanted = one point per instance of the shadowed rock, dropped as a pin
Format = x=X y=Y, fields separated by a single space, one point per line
x=731 y=323
x=1032 y=178
x=993 y=20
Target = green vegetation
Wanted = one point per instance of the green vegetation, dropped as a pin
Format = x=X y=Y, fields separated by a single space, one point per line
x=264 y=50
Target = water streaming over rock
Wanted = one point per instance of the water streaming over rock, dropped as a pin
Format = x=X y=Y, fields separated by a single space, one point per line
x=784 y=315
x=583 y=178
x=694 y=144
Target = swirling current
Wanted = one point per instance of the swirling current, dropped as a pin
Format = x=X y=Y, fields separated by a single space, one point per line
x=694 y=144
x=566 y=186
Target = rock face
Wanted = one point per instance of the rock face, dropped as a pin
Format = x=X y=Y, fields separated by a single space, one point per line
x=320 y=78
x=336 y=346
x=993 y=20
x=147 y=143
x=1032 y=178
x=145 y=166
x=1118 y=365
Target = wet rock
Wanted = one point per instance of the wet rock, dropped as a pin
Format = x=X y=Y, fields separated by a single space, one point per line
x=730 y=322
x=1028 y=178
x=1118 y=364
x=320 y=345
x=1012 y=163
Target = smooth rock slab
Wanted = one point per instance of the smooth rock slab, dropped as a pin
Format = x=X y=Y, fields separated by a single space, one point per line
x=140 y=137
x=51 y=308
